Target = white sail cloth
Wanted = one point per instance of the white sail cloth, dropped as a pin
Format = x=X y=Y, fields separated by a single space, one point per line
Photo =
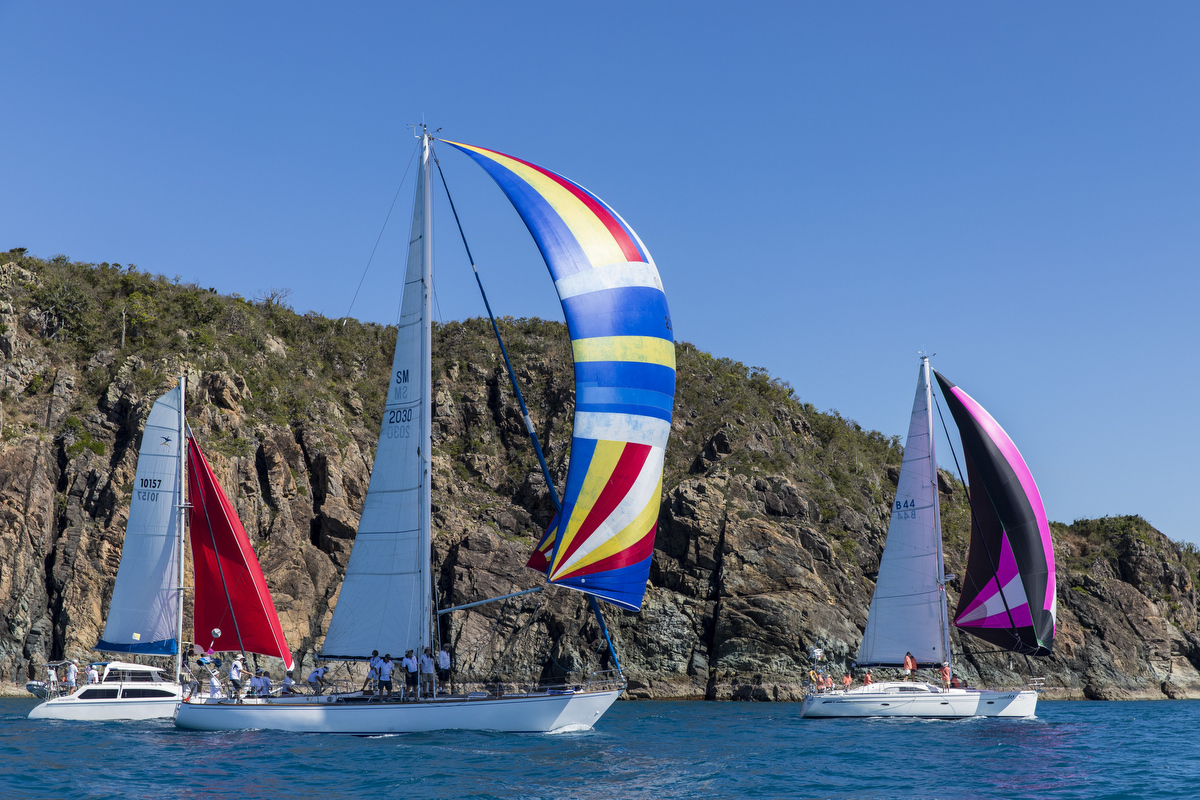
x=143 y=615
x=385 y=602
x=908 y=609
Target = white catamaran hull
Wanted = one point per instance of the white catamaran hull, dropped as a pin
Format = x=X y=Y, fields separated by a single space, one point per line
x=516 y=714
x=74 y=707
x=930 y=702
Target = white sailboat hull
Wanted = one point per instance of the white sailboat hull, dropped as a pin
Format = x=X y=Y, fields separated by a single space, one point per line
x=537 y=713
x=931 y=702
x=75 y=707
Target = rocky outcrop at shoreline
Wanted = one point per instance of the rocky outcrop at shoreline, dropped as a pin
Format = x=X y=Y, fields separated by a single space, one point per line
x=772 y=524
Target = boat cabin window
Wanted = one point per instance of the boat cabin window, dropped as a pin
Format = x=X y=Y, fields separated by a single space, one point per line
x=912 y=689
x=142 y=693
x=98 y=694
x=128 y=676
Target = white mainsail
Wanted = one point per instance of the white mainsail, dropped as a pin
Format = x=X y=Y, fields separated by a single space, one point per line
x=386 y=597
x=908 y=609
x=144 y=614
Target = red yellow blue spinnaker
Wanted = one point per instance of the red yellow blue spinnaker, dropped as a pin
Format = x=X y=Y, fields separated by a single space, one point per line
x=624 y=350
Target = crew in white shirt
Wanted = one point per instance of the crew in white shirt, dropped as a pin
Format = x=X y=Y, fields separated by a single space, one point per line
x=409 y=665
x=316 y=679
x=372 y=671
x=443 y=673
x=214 y=685
x=385 y=674
x=235 y=676
x=426 y=664
x=264 y=683
x=72 y=673
x=287 y=685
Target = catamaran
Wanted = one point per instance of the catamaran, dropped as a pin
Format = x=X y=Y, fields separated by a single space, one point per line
x=232 y=609
x=601 y=540
x=1008 y=594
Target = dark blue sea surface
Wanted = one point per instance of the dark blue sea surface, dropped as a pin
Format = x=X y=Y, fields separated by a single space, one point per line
x=639 y=750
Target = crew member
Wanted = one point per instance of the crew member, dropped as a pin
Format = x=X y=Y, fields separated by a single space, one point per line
x=287 y=686
x=384 y=672
x=72 y=674
x=409 y=663
x=316 y=679
x=235 y=676
x=846 y=681
x=93 y=675
x=214 y=685
x=443 y=672
x=372 y=671
x=426 y=664
x=910 y=666
x=867 y=679
x=945 y=674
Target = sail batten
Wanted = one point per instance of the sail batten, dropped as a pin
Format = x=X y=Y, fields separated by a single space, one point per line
x=1008 y=596
x=143 y=616
x=624 y=351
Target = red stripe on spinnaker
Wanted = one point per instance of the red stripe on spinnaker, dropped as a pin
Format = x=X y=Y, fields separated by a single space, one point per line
x=624 y=474
x=231 y=593
x=628 y=246
x=638 y=551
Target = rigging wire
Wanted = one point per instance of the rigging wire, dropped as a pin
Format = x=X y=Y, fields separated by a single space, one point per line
x=380 y=236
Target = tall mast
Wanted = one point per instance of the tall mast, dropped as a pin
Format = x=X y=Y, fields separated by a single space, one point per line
x=182 y=526
x=937 y=514
x=425 y=448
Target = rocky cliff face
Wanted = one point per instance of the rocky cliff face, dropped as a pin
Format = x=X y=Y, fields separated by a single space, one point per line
x=773 y=519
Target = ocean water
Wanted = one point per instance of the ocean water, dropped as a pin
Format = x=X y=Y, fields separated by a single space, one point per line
x=639 y=750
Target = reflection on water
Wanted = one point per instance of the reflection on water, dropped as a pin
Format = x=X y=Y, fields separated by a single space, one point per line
x=652 y=750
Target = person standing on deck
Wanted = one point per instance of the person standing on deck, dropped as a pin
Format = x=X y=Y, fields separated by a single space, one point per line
x=945 y=675
x=867 y=679
x=235 y=676
x=426 y=664
x=72 y=674
x=409 y=664
x=846 y=681
x=372 y=672
x=384 y=673
x=287 y=687
x=214 y=685
x=443 y=672
x=93 y=675
x=316 y=679
x=910 y=666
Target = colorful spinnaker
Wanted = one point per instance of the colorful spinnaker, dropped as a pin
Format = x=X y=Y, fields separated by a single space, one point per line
x=624 y=350
x=231 y=593
x=1008 y=595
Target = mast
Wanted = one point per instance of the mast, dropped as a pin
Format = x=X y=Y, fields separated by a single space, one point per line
x=182 y=511
x=937 y=515
x=425 y=445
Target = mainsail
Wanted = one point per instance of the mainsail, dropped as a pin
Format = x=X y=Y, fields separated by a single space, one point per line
x=385 y=602
x=143 y=616
x=908 y=609
x=231 y=593
x=1008 y=595
x=620 y=327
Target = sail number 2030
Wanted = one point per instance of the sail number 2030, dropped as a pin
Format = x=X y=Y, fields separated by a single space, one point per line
x=397 y=420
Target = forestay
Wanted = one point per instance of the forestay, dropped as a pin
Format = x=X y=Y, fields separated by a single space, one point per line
x=908 y=609
x=385 y=602
x=620 y=327
x=1008 y=595
x=231 y=592
x=143 y=615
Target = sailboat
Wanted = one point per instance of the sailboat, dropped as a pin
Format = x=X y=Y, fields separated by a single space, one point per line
x=233 y=608
x=1008 y=594
x=601 y=540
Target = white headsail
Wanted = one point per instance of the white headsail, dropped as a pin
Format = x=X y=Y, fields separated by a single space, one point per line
x=908 y=609
x=386 y=597
x=143 y=616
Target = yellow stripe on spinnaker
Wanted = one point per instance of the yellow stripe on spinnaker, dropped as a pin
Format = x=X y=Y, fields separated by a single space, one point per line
x=590 y=232
x=627 y=537
x=644 y=349
x=603 y=463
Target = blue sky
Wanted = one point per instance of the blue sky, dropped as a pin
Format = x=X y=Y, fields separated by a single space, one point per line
x=827 y=188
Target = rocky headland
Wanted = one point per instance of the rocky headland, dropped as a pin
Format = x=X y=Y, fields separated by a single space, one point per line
x=773 y=519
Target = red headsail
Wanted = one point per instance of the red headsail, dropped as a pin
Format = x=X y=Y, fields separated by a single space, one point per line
x=231 y=594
